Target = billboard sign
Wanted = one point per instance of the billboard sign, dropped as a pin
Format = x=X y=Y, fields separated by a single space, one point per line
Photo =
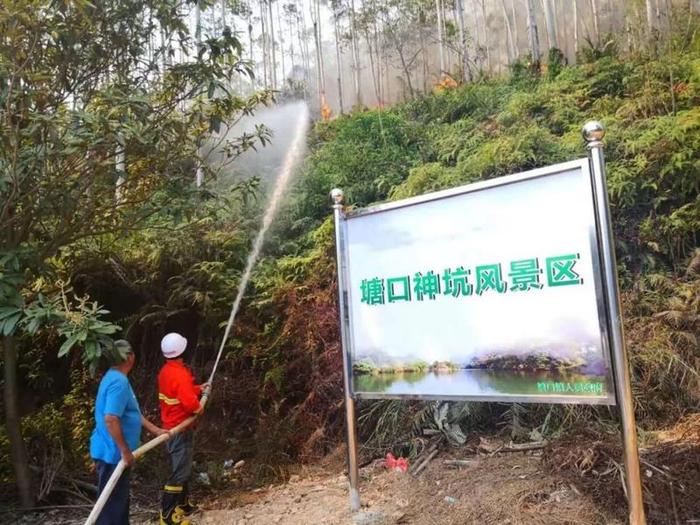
x=491 y=291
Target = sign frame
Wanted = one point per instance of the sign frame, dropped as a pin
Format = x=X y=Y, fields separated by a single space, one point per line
x=598 y=283
x=613 y=336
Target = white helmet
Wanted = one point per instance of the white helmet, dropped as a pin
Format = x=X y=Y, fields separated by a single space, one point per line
x=172 y=345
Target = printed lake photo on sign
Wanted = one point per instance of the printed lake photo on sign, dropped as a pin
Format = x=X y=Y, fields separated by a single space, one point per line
x=486 y=293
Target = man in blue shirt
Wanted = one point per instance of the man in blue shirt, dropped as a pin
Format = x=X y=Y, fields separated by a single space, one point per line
x=118 y=422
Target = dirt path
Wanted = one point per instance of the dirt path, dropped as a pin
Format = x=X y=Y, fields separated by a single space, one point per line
x=492 y=486
x=506 y=489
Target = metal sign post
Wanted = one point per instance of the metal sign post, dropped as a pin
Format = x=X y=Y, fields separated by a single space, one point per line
x=593 y=133
x=353 y=472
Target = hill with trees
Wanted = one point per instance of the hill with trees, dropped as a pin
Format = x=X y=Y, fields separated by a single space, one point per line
x=113 y=225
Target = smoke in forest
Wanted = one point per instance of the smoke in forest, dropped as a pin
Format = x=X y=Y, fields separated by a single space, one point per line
x=280 y=121
x=349 y=53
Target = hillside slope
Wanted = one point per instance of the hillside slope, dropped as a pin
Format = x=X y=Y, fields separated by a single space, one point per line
x=651 y=108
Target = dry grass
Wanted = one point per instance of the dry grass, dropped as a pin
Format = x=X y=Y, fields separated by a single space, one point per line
x=670 y=472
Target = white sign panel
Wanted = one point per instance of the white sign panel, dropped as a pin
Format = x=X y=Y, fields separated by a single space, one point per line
x=486 y=292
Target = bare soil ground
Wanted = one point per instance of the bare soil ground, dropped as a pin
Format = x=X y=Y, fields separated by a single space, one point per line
x=502 y=489
x=576 y=480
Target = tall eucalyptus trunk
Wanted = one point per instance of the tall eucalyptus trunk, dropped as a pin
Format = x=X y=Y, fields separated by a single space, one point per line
x=424 y=53
x=551 y=24
x=477 y=35
x=515 y=29
x=355 y=55
x=464 y=49
x=387 y=79
x=272 y=45
x=13 y=423
x=292 y=55
x=197 y=25
x=320 y=45
x=669 y=16
x=651 y=25
x=316 y=20
x=263 y=37
x=280 y=32
x=250 y=36
x=305 y=44
x=336 y=17
x=510 y=47
x=533 y=38
x=448 y=50
x=658 y=13
x=373 y=58
x=596 y=20
x=575 y=8
x=165 y=50
x=486 y=35
x=441 y=42
x=120 y=168
x=199 y=172
x=378 y=51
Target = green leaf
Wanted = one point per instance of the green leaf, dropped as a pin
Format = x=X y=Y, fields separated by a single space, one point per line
x=91 y=349
x=67 y=345
x=7 y=311
x=33 y=325
x=107 y=330
x=214 y=123
x=10 y=323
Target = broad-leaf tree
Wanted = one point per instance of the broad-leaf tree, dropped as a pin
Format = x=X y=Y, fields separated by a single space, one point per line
x=82 y=85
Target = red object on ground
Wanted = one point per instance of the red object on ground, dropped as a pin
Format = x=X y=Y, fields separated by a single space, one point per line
x=392 y=463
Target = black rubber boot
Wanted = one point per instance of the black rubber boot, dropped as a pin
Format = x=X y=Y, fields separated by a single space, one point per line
x=185 y=504
x=171 y=513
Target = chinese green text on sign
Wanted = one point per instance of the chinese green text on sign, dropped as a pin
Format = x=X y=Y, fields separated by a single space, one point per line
x=484 y=292
x=525 y=276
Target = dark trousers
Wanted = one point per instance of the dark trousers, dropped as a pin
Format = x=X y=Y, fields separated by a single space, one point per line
x=116 y=511
x=181 y=451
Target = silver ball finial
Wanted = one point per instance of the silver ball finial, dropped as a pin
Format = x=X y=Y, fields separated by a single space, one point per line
x=337 y=195
x=593 y=131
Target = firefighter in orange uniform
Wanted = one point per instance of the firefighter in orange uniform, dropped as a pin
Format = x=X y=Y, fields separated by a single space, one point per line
x=178 y=397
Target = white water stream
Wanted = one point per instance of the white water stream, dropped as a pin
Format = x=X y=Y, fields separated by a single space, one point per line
x=294 y=153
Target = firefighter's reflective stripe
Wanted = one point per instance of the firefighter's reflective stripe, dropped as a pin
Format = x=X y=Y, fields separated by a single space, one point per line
x=168 y=400
x=174 y=489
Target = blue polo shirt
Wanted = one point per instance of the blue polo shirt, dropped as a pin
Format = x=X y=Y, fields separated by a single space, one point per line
x=116 y=398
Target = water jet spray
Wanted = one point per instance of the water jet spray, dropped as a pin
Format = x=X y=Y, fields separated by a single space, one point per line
x=295 y=150
x=285 y=174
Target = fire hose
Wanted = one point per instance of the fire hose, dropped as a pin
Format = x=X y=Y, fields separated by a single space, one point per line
x=294 y=151
x=121 y=466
